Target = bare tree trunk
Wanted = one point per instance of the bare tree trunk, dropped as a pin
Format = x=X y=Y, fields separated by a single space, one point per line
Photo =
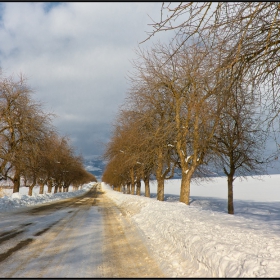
x=147 y=186
x=16 y=181
x=230 y=194
x=41 y=191
x=133 y=188
x=160 y=188
x=132 y=182
x=49 y=186
x=30 y=189
x=128 y=188
x=160 y=178
x=185 y=188
x=138 y=187
x=56 y=188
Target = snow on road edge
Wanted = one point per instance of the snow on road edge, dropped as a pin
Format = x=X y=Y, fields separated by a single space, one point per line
x=191 y=242
x=17 y=200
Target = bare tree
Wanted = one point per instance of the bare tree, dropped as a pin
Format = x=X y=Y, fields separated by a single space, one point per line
x=47 y=161
x=239 y=140
x=33 y=156
x=185 y=94
x=155 y=153
x=244 y=34
x=65 y=166
x=22 y=125
x=117 y=153
x=30 y=147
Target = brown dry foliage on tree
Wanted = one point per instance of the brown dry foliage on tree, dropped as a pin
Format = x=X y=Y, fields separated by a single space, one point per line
x=244 y=34
x=29 y=145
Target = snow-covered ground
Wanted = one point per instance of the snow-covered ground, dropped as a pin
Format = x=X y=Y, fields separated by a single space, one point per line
x=200 y=240
x=11 y=201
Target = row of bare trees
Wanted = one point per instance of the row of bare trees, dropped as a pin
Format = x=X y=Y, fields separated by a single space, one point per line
x=30 y=148
x=209 y=98
x=245 y=36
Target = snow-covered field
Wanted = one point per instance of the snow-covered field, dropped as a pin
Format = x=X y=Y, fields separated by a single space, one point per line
x=200 y=240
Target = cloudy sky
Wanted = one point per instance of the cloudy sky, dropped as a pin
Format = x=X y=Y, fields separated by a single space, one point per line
x=76 y=56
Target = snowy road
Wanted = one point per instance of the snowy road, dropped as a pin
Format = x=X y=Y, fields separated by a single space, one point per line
x=79 y=237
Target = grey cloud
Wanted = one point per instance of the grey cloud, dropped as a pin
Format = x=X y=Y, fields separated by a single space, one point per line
x=76 y=57
x=87 y=138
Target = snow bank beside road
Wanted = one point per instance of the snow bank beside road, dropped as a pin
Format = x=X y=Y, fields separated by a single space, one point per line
x=190 y=242
x=200 y=240
x=16 y=200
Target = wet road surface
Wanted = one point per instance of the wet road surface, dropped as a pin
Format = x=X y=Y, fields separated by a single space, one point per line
x=78 y=237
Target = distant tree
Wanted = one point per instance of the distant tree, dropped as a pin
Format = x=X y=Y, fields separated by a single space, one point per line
x=115 y=172
x=111 y=175
x=47 y=162
x=140 y=147
x=66 y=166
x=33 y=159
x=127 y=151
x=151 y=151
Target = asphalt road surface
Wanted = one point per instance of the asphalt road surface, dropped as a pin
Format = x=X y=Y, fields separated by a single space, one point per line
x=82 y=237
